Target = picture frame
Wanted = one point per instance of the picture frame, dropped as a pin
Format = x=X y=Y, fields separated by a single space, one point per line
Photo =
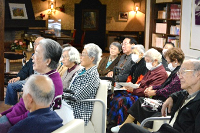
x=18 y=11
x=90 y=19
x=123 y=16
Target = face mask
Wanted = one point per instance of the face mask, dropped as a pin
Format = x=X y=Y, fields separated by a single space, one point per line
x=164 y=51
x=171 y=68
x=149 y=65
x=135 y=57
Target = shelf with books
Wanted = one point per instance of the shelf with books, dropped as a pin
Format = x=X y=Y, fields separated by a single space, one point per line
x=165 y=23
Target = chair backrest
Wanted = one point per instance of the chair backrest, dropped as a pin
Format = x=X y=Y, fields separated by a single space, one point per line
x=75 y=126
x=98 y=114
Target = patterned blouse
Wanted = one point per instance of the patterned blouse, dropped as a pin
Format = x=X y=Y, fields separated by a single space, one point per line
x=85 y=86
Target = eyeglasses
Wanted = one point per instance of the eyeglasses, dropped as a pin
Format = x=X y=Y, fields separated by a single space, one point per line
x=124 y=44
x=65 y=57
x=183 y=72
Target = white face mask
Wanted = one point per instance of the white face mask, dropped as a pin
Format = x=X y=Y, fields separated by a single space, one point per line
x=149 y=65
x=135 y=57
x=171 y=68
x=164 y=51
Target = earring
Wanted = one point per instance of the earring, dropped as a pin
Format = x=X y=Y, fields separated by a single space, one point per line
x=47 y=64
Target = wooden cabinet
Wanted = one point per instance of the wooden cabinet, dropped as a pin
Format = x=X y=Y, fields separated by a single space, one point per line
x=165 y=23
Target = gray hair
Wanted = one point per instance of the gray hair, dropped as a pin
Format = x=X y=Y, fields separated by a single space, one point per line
x=139 y=47
x=95 y=51
x=117 y=44
x=153 y=54
x=74 y=55
x=52 y=50
x=196 y=64
x=36 y=90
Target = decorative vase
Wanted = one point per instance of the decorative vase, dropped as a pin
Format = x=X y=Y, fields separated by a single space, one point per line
x=18 y=51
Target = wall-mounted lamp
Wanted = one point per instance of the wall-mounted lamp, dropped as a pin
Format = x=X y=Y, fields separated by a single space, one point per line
x=137 y=6
x=51 y=7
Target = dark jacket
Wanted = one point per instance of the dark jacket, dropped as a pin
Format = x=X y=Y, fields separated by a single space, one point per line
x=188 y=119
x=137 y=70
x=164 y=62
x=103 y=71
x=26 y=70
x=122 y=70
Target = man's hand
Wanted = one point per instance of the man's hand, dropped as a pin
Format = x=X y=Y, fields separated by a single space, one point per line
x=110 y=74
x=14 y=80
x=167 y=104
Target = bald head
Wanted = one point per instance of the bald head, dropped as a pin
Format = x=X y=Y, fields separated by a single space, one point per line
x=41 y=89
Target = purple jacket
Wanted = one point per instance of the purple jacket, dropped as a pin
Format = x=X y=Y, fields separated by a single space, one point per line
x=174 y=86
x=18 y=112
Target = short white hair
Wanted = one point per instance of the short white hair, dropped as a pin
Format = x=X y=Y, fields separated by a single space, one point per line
x=74 y=55
x=40 y=97
x=95 y=51
x=139 y=47
x=153 y=54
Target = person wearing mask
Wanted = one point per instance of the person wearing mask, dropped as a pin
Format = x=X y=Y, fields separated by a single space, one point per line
x=185 y=114
x=160 y=93
x=15 y=84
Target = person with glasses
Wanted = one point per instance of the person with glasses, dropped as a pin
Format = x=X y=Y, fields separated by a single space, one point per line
x=15 y=84
x=70 y=59
x=183 y=105
x=139 y=111
x=85 y=82
x=123 y=68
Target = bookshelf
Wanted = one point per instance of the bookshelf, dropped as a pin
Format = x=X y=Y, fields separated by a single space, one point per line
x=165 y=23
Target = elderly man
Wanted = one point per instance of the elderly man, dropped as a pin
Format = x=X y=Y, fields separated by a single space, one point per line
x=38 y=94
x=123 y=68
x=15 y=84
x=186 y=104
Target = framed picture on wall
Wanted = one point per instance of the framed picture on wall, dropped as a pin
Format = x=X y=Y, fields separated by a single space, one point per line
x=18 y=11
x=90 y=19
x=123 y=16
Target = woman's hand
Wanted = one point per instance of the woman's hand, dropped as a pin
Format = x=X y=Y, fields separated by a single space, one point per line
x=14 y=80
x=110 y=74
x=167 y=104
x=150 y=93
x=129 y=88
x=0 y=115
x=147 y=90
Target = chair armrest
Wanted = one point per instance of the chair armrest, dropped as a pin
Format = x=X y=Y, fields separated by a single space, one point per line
x=154 y=118
x=74 y=126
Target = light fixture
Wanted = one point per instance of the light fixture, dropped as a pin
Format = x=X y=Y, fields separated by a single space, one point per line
x=51 y=7
x=137 y=6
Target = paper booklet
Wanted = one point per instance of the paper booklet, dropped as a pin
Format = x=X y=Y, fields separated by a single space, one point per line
x=129 y=84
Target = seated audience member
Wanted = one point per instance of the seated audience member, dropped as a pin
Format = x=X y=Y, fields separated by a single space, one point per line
x=45 y=60
x=15 y=84
x=175 y=57
x=185 y=114
x=38 y=93
x=61 y=69
x=122 y=99
x=85 y=82
x=167 y=46
x=155 y=76
x=107 y=63
x=123 y=68
x=71 y=60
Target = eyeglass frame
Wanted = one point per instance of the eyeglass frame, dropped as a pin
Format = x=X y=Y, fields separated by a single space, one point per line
x=184 y=71
x=124 y=44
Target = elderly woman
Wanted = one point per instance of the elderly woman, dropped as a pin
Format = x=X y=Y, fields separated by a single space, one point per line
x=155 y=76
x=174 y=57
x=86 y=82
x=45 y=61
x=71 y=60
x=107 y=63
